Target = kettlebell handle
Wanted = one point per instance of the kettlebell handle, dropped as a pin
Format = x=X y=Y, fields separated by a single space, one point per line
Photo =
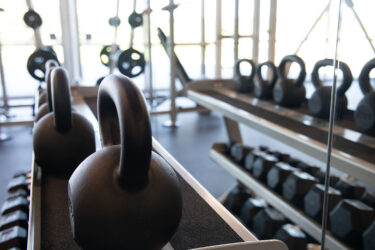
x=292 y=58
x=364 y=77
x=62 y=106
x=347 y=75
x=50 y=65
x=237 y=67
x=273 y=69
x=124 y=119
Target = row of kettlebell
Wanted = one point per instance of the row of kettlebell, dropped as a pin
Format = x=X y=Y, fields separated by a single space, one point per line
x=124 y=196
x=291 y=92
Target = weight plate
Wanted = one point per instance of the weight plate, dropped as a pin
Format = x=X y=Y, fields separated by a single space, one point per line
x=32 y=19
x=135 y=20
x=105 y=53
x=37 y=60
x=114 y=21
x=131 y=63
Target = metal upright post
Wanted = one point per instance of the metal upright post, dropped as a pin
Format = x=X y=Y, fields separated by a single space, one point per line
x=256 y=22
x=148 y=75
x=173 y=121
x=236 y=32
x=203 y=39
x=218 y=39
x=272 y=31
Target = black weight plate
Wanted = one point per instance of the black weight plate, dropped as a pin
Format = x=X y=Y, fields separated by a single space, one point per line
x=36 y=63
x=32 y=19
x=135 y=20
x=131 y=63
x=106 y=52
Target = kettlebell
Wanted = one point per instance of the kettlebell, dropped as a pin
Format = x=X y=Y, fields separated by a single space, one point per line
x=319 y=103
x=124 y=196
x=263 y=87
x=364 y=115
x=45 y=108
x=290 y=92
x=244 y=84
x=62 y=139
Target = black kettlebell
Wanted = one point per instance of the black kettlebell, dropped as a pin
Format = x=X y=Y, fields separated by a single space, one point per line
x=319 y=103
x=45 y=108
x=290 y=92
x=364 y=115
x=244 y=84
x=263 y=87
x=124 y=196
x=62 y=139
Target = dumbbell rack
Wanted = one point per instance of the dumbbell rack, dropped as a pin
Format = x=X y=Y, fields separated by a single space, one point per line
x=260 y=115
x=212 y=226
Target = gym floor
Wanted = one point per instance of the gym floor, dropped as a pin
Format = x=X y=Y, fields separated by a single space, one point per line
x=190 y=144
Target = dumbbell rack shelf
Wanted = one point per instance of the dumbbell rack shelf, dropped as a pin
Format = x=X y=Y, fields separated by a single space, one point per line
x=218 y=154
x=353 y=151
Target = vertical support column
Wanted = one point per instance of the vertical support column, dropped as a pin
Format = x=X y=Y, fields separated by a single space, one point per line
x=203 y=39
x=236 y=32
x=272 y=31
x=256 y=21
x=2 y=78
x=147 y=30
x=218 y=40
x=70 y=39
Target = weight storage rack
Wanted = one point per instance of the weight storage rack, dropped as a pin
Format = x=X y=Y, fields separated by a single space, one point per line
x=205 y=223
x=353 y=152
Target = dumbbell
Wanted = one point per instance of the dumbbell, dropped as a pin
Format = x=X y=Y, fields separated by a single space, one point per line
x=369 y=199
x=236 y=198
x=349 y=219
x=266 y=223
x=368 y=238
x=292 y=236
x=18 y=193
x=296 y=186
x=321 y=176
x=250 y=208
x=14 y=204
x=262 y=166
x=13 y=238
x=16 y=218
x=251 y=157
x=314 y=201
x=278 y=174
x=307 y=168
x=349 y=189
x=294 y=162
x=19 y=183
x=238 y=152
x=263 y=148
x=284 y=157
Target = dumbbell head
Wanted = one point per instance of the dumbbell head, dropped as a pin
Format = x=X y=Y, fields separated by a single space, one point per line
x=369 y=199
x=296 y=186
x=292 y=236
x=262 y=166
x=238 y=152
x=349 y=219
x=314 y=201
x=267 y=222
x=284 y=157
x=250 y=208
x=368 y=238
x=236 y=198
x=20 y=182
x=251 y=158
x=293 y=162
x=263 y=148
x=16 y=218
x=278 y=174
x=308 y=168
x=17 y=193
x=349 y=189
x=321 y=176
x=14 y=204
x=14 y=237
